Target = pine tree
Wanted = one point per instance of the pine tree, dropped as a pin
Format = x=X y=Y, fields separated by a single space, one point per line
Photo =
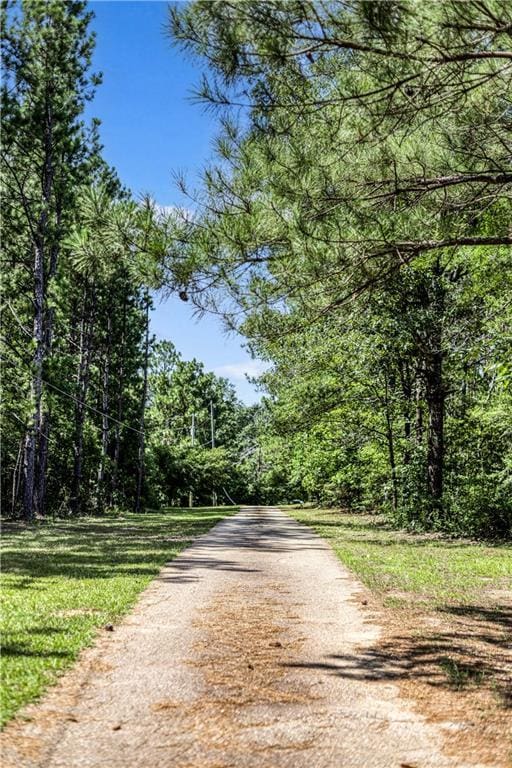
x=46 y=56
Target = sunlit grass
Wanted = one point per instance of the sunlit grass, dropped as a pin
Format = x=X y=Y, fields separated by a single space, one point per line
x=62 y=581
x=437 y=569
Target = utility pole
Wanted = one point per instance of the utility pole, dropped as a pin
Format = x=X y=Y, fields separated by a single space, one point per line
x=193 y=429
x=193 y=437
x=212 y=426
x=142 y=428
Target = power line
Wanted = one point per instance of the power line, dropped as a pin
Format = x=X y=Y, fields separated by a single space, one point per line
x=92 y=408
x=77 y=400
x=85 y=405
x=228 y=496
x=14 y=416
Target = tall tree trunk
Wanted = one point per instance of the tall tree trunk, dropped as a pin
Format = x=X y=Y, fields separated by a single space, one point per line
x=31 y=504
x=405 y=379
x=140 y=473
x=117 y=433
x=435 y=394
x=391 y=446
x=418 y=420
x=435 y=397
x=80 y=403
x=74 y=501
x=76 y=482
x=32 y=435
x=105 y=414
x=42 y=461
x=16 y=479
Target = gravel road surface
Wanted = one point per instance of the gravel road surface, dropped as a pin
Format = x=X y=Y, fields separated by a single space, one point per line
x=248 y=651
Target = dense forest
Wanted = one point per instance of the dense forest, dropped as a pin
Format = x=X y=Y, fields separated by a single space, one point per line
x=353 y=226
x=356 y=228
x=96 y=414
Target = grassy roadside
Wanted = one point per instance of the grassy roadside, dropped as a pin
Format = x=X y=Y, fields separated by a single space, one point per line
x=62 y=581
x=404 y=568
x=446 y=610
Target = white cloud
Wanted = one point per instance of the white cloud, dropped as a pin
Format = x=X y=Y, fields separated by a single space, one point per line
x=184 y=213
x=239 y=371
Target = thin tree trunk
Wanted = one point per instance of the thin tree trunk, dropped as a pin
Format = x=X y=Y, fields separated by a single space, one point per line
x=82 y=390
x=74 y=501
x=391 y=448
x=31 y=437
x=31 y=504
x=140 y=474
x=418 y=424
x=42 y=461
x=16 y=479
x=117 y=453
x=117 y=434
x=405 y=378
x=435 y=395
x=105 y=412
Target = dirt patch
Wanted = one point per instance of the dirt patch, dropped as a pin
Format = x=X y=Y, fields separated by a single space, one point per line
x=455 y=663
x=243 y=655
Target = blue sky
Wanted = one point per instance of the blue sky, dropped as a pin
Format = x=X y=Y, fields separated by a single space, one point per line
x=150 y=129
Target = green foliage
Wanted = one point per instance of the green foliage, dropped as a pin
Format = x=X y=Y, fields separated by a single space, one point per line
x=354 y=226
x=460 y=675
x=356 y=229
x=187 y=409
x=81 y=258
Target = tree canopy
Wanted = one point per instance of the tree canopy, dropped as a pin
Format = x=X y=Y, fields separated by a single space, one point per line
x=355 y=226
x=84 y=407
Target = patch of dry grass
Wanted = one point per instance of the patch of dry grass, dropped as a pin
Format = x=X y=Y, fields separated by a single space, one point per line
x=446 y=607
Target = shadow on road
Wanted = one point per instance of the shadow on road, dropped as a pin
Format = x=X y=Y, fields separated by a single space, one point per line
x=272 y=533
x=471 y=647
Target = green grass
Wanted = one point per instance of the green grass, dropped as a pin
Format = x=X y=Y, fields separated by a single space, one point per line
x=62 y=581
x=435 y=569
x=461 y=675
x=461 y=588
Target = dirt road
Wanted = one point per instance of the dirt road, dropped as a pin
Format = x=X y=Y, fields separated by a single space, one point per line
x=246 y=651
